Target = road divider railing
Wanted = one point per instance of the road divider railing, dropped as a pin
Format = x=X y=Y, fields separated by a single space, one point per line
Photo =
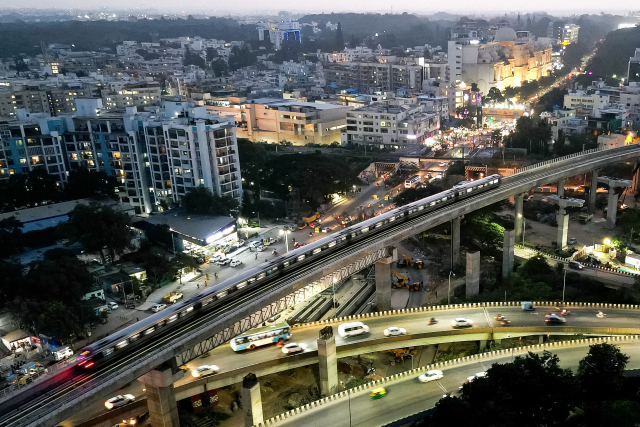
x=440 y=308
x=447 y=364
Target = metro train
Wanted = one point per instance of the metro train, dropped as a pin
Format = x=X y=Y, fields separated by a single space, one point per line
x=134 y=336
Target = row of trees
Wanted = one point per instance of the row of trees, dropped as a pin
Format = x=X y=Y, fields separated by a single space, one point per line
x=534 y=390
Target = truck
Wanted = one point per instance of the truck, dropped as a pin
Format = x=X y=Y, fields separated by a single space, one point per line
x=172 y=297
x=584 y=217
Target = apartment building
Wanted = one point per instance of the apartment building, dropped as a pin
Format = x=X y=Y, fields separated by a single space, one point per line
x=375 y=76
x=52 y=97
x=633 y=70
x=157 y=156
x=278 y=32
x=132 y=95
x=276 y=120
x=389 y=124
x=584 y=103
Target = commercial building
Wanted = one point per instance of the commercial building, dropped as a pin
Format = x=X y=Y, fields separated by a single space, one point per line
x=386 y=124
x=562 y=33
x=509 y=60
x=276 y=120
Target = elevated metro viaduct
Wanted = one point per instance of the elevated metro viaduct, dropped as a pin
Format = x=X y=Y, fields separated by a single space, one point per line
x=248 y=311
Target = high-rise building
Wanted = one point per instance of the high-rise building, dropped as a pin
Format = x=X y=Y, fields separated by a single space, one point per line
x=633 y=72
x=156 y=156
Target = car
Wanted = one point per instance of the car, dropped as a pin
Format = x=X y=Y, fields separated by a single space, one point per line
x=223 y=261
x=576 y=265
x=119 y=400
x=230 y=249
x=313 y=224
x=326 y=229
x=572 y=241
x=377 y=393
x=261 y=248
x=235 y=263
x=461 y=322
x=292 y=348
x=472 y=378
x=204 y=370
x=289 y=227
x=442 y=164
x=298 y=245
x=432 y=375
x=273 y=318
x=241 y=243
x=394 y=331
x=157 y=307
x=216 y=258
x=554 y=319
x=255 y=244
x=112 y=305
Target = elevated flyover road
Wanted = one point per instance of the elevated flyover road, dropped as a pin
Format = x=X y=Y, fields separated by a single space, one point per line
x=406 y=396
x=270 y=359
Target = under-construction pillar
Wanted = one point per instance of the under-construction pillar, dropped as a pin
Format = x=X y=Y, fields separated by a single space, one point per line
x=507 y=253
x=612 y=208
x=161 y=397
x=473 y=273
x=383 y=281
x=562 y=218
x=560 y=187
x=328 y=361
x=592 y=191
x=251 y=401
x=518 y=220
x=455 y=242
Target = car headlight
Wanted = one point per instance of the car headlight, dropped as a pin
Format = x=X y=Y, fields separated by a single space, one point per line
x=195 y=374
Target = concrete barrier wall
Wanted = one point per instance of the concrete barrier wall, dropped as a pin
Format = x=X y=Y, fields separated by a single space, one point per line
x=447 y=364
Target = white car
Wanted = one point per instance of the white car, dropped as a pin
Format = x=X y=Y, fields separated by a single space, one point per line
x=112 y=305
x=261 y=248
x=461 y=322
x=216 y=258
x=157 y=307
x=223 y=261
x=119 y=400
x=235 y=263
x=394 y=331
x=476 y=376
x=431 y=376
x=292 y=348
x=325 y=229
x=204 y=370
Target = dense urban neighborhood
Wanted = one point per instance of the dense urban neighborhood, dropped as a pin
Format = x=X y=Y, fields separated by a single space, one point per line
x=252 y=218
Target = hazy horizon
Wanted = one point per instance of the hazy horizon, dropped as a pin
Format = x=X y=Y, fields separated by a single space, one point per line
x=254 y=7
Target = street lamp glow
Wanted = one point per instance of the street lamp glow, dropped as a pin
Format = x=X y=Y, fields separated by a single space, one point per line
x=607 y=241
x=519 y=215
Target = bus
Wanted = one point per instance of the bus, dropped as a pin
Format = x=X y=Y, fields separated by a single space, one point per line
x=412 y=182
x=261 y=336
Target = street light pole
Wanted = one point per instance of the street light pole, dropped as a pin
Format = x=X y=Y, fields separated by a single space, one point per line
x=286 y=239
x=564 y=283
x=524 y=228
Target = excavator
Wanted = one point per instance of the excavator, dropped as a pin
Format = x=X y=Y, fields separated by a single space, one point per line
x=400 y=353
x=407 y=262
x=403 y=283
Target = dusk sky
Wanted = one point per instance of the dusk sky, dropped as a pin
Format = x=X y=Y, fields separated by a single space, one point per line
x=496 y=7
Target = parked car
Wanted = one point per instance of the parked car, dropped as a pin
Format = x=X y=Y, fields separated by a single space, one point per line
x=432 y=375
x=292 y=348
x=230 y=249
x=241 y=243
x=572 y=241
x=216 y=258
x=204 y=370
x=223 y=261
x=394 y=331
x=119 y=400
x=112 y=305
x=157 y=307
x=261 y=248
x=235 y=263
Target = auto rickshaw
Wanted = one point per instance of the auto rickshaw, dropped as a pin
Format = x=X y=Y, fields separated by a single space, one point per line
x=377 y=393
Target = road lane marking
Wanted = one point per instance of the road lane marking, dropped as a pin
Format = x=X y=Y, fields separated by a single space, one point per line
x=486 y=314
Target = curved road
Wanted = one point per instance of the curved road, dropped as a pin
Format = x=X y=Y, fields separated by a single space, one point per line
x=233 y=365
x=406 y=396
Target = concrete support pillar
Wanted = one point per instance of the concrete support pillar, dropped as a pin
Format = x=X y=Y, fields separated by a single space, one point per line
x=473 y=273
x=482 y=344
x=507 y=253
x=612 y=208
x=540 y=339
x=592 y=191
x=497 y=342
x=563 y=228
x=251 y=401
x=560 y=187
x=455 y=242
x=383 y=281
x=328 y=362
x=518 y=221
x=161 y=398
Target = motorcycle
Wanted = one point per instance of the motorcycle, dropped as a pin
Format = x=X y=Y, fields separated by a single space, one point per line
x=505 y=322
x=565 y=312
x=499 y=317
x=433 y=321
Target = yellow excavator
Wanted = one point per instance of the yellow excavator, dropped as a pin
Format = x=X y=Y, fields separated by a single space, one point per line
x=407 y=261
x=403 y=283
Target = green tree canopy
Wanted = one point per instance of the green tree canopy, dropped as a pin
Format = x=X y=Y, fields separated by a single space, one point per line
x=200 y=200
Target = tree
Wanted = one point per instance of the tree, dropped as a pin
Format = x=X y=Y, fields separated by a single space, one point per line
x=219 y=67
x=29 y=189
x=601 y=372
x=83 y=183
x=191 y=58
x=211 y=54
x=200 y=200
x=59 y=321
x=494 y=95
x=10 y=236
x=353 y=43
x=339 y=43
x=536 y=269
x=100 y=229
